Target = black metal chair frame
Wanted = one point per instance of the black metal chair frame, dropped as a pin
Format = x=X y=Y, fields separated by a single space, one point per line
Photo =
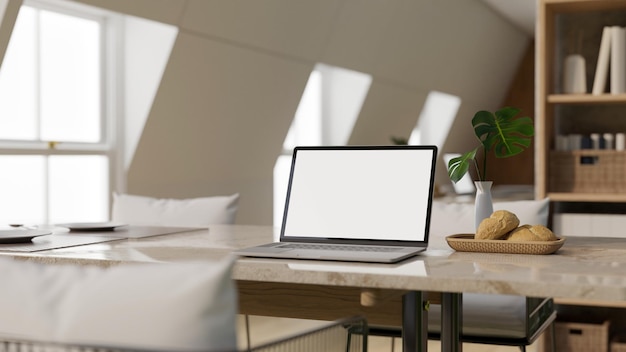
x=354 y=331
x=540 y=313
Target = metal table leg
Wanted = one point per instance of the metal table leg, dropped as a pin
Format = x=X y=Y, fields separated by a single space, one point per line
x=451 y=322
x=414 y=322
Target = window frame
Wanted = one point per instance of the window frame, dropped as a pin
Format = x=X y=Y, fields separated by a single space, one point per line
x=111 y=96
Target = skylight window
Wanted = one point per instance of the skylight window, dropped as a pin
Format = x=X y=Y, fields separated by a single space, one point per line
x=433 y=127
x=436 y=119
x=329 y=107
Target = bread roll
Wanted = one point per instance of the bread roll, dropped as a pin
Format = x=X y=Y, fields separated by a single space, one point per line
x=532 y=233
x=522 y=233
x=497 y=226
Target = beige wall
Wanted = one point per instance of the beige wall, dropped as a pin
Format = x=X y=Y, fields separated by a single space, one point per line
x=238 y=69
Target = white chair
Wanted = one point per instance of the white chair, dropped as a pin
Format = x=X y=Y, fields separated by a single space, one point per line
x=176 y=307
x=139 y=308
x=189 y=212
x=500 y=319
x=198 y=212
x=490 y=319
x=343 y=335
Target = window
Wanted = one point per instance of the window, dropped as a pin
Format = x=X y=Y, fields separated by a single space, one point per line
x=57 y=154
x=329 y=107
x=435 y=119
x=433 y=126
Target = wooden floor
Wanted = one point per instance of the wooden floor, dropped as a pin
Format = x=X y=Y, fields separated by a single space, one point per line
x=263 y=330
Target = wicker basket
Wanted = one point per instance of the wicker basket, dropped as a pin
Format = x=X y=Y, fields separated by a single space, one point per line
x=588 y=171
x=618 y=344
x=582 y=337
x=467 y=243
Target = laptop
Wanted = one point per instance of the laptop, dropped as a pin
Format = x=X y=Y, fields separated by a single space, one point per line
x=355 y=203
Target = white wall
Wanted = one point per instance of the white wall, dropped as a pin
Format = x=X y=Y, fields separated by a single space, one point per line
x=237 y=70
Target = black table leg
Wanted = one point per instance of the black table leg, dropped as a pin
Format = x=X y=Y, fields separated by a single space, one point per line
x=451 y=322
x=414 y=322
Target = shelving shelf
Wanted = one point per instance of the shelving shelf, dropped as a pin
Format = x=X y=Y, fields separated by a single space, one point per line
x=586 y=197
x=586 y=99
x=589 y=152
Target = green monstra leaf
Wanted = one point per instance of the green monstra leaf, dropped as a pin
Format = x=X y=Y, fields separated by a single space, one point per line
x=502 y=132
x=457 y=167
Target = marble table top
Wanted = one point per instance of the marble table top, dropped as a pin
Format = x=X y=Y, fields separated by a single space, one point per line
x=584 y=268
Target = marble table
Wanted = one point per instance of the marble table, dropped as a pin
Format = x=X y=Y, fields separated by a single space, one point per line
x=584 y=270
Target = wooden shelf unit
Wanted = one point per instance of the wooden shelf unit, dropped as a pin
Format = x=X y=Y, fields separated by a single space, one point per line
x=558 y=113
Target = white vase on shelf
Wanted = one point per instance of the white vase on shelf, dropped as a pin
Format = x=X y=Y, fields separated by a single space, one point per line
x=483 y=205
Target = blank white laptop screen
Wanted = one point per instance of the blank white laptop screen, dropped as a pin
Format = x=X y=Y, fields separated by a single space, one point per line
x=360 y=193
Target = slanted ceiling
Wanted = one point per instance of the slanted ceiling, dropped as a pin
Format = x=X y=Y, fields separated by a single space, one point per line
x=238 y=68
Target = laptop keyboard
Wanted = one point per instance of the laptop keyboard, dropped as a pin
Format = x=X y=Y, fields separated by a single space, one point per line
x=338 y=248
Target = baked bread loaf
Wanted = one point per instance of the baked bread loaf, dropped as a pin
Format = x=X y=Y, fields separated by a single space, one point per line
x=532 y=233
x=497 y=226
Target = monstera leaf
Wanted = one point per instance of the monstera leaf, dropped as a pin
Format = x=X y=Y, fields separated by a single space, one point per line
x=458 y=167
x=501 y=132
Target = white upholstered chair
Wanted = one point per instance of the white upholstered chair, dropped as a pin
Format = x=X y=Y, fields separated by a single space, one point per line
x=449 y=218
x=491 y=319
x=190 y=212
x=160 y=307
x=176 y=307
x=202 y=212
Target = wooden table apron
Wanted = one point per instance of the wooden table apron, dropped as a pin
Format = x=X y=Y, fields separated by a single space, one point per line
x=386 y=308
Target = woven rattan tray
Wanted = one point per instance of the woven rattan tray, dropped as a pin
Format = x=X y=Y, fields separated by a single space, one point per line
x=467 y=243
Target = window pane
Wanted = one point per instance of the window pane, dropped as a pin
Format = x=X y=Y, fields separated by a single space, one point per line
x=22 y=190
x=50 y=89
x=306 y=128
x=281 y=179
x=17 y=81
x=79 y=188
x=70 y=78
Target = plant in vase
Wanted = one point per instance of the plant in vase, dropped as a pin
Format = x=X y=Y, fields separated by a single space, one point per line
x=502 y=133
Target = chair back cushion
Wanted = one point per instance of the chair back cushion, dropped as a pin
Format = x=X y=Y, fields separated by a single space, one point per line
x=456 y=218
x=190 y=212
x=176 y=307
x=488 y=316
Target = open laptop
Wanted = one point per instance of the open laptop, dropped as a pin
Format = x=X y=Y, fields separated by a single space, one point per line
x=355 y=203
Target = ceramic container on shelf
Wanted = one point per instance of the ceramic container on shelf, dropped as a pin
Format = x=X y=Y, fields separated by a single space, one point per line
x=574 y=76
x=483 y=205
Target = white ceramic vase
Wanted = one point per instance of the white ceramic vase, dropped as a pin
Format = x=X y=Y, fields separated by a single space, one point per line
x=483 y=205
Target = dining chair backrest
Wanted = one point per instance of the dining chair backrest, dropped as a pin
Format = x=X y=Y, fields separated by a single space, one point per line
x=491 y=319
x=173 y=306
x=189 y=212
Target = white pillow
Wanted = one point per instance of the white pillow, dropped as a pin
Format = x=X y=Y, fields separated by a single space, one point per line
x=177 y=307
x=456 y=218
x=192 y=212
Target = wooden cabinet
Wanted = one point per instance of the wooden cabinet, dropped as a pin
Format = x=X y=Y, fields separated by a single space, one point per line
x=575 y=27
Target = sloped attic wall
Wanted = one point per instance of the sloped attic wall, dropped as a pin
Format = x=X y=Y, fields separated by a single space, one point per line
x=238 y=69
